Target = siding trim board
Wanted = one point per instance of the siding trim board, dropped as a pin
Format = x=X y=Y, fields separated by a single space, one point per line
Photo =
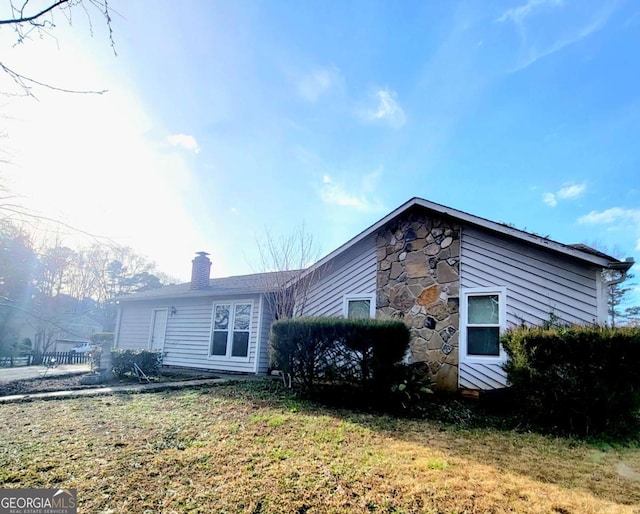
x=258 y=335
x=348 y=297
x=501 y=292
x=154 y=317
x=253 y=333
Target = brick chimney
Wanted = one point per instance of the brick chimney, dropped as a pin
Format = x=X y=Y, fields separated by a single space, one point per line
x=200 y=270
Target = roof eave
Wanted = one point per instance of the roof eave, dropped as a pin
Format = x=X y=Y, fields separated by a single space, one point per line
x=621 y=265
x=191 y=294
x=470 y=219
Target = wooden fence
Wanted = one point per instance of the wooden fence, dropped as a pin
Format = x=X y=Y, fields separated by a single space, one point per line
x=35 y=359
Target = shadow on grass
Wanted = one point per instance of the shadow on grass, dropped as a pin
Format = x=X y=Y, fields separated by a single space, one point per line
x=449 y=411
x=483 y=432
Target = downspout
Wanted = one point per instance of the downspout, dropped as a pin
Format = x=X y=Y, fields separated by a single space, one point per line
x=116 y=339
x=620 y=279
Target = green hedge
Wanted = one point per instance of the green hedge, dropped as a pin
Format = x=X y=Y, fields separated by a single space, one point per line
x=582 y=380
x=363 y=353
x=102 y=337
x=122 y=362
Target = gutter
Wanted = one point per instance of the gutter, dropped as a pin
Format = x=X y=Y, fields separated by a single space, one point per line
x=621 y=266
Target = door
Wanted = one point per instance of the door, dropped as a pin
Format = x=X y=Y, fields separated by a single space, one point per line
x=158 y=329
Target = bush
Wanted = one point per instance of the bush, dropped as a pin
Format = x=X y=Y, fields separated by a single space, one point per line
x=102 y=337
x=582 y=380
x=412 y=388
x=361 y=353
x=123 y=362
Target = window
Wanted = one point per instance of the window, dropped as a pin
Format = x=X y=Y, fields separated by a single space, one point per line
x=483 y=317
x=231 y=329
x=359 y=306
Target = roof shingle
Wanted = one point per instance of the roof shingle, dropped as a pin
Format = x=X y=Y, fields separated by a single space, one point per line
x=227 y=286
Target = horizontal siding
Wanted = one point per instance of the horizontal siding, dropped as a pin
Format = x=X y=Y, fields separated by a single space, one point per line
x=135 y=322
x=265 y=346
x=353 y=272
x=481 y=376
x=188 y=332
x=538 y=283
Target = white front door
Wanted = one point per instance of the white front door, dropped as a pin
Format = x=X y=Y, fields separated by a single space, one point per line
x=158 y=329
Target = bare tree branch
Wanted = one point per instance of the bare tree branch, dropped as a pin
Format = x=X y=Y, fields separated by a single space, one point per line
x=26 y=83
x=24 y=25
x=285 y=261
x=30 y=19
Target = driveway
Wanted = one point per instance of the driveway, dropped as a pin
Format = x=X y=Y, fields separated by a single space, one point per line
x=27 y=372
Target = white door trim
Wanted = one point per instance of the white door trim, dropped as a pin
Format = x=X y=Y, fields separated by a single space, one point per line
x=154 y=314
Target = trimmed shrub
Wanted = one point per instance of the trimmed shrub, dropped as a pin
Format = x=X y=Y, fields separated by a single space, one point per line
x=362 y=353
x=102 y=337
x=123 y=362
x=581 y=380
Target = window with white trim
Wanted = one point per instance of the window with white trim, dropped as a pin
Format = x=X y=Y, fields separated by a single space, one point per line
x=483 y=321
x=359 y=306
x=231 y=330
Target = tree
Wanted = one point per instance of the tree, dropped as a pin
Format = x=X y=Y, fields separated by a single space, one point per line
x=17 y=262
x=285 y=262
x=618 y=284
x=41 y=289
x=617 y=298
x=28 y=18
x=632 y=316
x=55 y=267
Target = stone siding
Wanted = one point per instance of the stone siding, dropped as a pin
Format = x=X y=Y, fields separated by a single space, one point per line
x=418 y=281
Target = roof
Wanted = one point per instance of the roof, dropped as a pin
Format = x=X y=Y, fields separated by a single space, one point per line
x=265 y=282
x=580 y=252
x=614 y=263
x=227 y=286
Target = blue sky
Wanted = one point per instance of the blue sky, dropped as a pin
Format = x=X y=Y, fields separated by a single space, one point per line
x=224 y=119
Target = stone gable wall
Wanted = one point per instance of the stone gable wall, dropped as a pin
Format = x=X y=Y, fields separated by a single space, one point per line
x=418 y=281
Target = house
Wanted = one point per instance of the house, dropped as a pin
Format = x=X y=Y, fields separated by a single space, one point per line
x=55 y=325
x=456 y=279
x=74 y=330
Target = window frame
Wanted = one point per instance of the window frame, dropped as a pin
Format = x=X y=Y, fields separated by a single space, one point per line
x=501 y=292
x=232 y=316
x=355 y=297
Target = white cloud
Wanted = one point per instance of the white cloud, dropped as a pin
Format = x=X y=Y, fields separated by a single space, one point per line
x=539 y=40
x=318 y=82
x=612 y=215
x=335 y=193
x=550 y=199
x=567 y=192
x=384 y=107
x=185 y=141
x=572 y=191
x=518 y=14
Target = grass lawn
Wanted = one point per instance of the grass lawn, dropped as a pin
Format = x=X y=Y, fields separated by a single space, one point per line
x=248 y=448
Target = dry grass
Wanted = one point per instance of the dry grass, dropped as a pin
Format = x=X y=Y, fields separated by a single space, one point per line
x=242 y=448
